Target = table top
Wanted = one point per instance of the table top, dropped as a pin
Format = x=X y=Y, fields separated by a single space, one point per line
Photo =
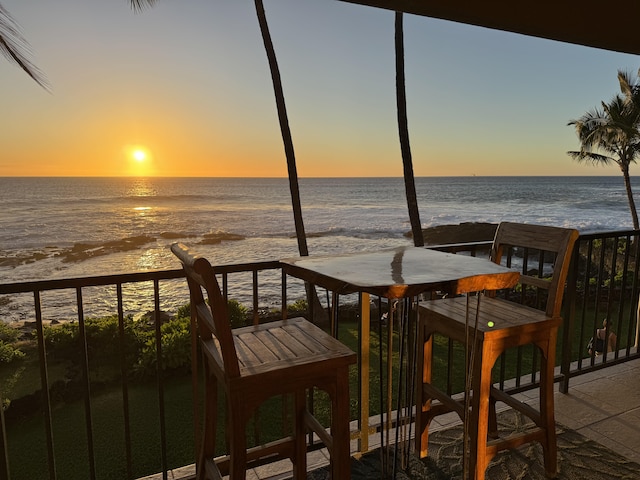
x=401 y=272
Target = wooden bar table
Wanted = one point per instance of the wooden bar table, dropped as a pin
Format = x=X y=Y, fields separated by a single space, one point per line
x=398 y=273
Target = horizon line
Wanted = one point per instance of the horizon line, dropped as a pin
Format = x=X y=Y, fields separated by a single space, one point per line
x=301 y=177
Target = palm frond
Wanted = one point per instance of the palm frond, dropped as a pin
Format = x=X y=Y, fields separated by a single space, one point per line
x=16 y=49
x=626 y=83
x=630 y=89
x=591 y=157
x=140 y=5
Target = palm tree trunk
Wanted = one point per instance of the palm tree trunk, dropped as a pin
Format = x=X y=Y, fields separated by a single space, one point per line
x=632 y=203
x=284 y=128
x=403 y=131
x=316 y=311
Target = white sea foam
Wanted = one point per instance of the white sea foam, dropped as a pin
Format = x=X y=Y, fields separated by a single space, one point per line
x=69 y=227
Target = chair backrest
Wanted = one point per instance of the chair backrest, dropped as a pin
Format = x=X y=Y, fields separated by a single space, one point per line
x=540 y=240
x=210 y=320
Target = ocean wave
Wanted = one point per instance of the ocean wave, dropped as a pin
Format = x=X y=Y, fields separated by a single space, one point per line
x=219 y=237
x=82 y=251
x=319 y=234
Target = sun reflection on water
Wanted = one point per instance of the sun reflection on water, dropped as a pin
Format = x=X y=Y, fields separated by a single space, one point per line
x=141 y=187
x=149 y=260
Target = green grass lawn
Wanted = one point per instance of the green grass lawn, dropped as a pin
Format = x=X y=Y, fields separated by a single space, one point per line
x=28 y=457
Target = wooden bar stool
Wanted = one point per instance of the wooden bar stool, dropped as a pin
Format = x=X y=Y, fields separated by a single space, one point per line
x=256 y=363
x=489 y=326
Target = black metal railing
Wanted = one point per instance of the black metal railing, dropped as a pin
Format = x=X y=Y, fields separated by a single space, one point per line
x=603 y=282
x=44 y=394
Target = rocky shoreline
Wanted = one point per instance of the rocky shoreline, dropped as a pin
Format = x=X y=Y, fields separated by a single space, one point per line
x=465 y=232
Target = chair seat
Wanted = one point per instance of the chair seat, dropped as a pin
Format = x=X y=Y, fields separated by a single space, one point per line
x=285 y=347
x=506 y=318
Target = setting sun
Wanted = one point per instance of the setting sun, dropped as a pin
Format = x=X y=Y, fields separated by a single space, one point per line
x=139 y=155
x=140 y=160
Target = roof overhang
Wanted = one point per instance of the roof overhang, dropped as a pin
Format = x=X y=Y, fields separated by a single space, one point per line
x=612 y=25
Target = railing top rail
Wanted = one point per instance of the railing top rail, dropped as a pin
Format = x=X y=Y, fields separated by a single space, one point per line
x=92 y=281
x=609 y=234
x=464 y=246
x=100 y=280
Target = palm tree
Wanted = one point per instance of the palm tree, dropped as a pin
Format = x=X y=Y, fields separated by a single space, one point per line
x=403 y=130
x=611 y=134
x=16 y=49
x=318 y=313
x=284 y=128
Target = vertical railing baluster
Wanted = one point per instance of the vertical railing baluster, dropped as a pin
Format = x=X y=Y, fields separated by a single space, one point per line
x=624 y=285
x=540 y=302
x=160 y=379
x=586 y=292
x=87 y=383
x=569 y=310
x=256 y=320
x=283 y=289
x=610 y=295
x=44 y=382
x=4 y=446
x=225 y=286
x=634 y=319
x=503 y=371
x=450 y=371
x=523 y=300
x=256 y=316
x=597 y=323
x=125 y=382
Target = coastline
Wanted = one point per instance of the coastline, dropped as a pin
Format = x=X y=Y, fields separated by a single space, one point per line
x=464 y=232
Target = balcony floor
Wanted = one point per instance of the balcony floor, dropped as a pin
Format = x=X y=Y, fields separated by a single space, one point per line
x=603 y=406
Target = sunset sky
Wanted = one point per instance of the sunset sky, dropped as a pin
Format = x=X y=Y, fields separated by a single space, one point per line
x=183 y=89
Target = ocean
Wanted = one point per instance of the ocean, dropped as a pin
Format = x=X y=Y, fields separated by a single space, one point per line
x=71 y=227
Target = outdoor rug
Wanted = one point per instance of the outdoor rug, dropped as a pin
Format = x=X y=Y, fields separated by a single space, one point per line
x=578 y=459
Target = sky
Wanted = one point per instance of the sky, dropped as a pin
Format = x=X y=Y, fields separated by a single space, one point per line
x=184 y=89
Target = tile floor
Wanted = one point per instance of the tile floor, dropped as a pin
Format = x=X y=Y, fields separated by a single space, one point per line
x=605 y=406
